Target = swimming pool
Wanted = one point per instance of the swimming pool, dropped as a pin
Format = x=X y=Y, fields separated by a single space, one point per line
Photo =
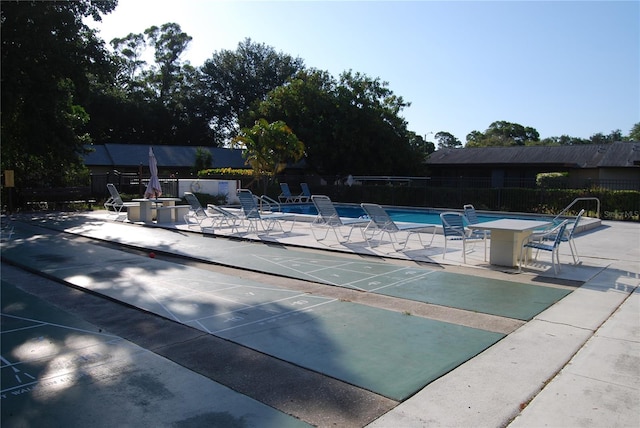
x=409 y=215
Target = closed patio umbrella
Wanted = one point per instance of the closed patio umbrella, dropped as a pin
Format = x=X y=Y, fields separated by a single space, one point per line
x=153 y=188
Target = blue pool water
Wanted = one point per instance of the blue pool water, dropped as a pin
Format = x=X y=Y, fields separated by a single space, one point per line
x=424 y=215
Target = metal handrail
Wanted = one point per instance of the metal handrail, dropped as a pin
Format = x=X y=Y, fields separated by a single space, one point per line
x=577 y=200
x=265 y=200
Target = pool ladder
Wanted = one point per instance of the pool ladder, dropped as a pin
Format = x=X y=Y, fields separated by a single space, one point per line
x=577 y=200
x=268 y=204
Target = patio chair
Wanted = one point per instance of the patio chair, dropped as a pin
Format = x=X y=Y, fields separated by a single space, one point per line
x=557 y=232
x=381 y=223
x=472 y=218
x=286 y=197
x=252 y=214
x=329 y=220
x=225 y=217
x=197 y=214
x=114 y=204
x=454 y=230
x=306 y=193
x=567 y=237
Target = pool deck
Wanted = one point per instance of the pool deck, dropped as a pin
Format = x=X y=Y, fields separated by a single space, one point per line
x=576 y=363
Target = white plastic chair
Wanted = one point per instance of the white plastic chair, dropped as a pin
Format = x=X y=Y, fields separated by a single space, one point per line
x=454 y=230
x=380 y=223
x=252 y=214
x=329 y=220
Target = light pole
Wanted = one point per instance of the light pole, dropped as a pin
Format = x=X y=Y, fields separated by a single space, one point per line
x=425 y=143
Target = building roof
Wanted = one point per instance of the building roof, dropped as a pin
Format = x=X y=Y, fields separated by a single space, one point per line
x=132 y=155
x=619 y=154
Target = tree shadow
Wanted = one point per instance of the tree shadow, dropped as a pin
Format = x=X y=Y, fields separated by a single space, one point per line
x=141 y=282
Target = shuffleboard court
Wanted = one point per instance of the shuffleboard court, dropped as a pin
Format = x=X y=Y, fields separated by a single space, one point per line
x=496 y=297
x=58 y=370
x=390 y=353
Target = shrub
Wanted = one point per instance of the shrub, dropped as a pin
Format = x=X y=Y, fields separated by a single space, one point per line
x=552 y=180
x=226 y=172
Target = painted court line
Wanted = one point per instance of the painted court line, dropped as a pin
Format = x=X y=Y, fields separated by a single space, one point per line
x=404 y=281
x=309 y=275
x=355 y=268
x=284 y=314
x=247 y=307
x=45 y=323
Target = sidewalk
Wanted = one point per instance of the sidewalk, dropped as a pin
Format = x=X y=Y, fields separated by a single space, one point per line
x=575 y=364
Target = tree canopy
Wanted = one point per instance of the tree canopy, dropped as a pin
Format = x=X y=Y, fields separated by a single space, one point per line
x=269 y=147
x=350 y=125
x=49 y=60
x=63 y=89
x=447 y=141
x=503 y=133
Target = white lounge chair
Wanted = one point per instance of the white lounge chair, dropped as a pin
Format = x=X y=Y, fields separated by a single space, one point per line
x=329 y=220
x=380 y=223
x=197 y=216
x=115 y=205
x=225 y=217
x=252 y=214
x=306 y=193
x=286 y=197
x=454 y=230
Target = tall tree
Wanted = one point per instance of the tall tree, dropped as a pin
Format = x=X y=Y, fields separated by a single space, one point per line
x=157 y=103
x=169 y=42
x=48 y=56
x=232 y=80
x=446 y=140
x=350 y=126
x=503 y=133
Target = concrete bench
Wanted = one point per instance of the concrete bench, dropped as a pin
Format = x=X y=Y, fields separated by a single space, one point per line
x=172 y=214
x=132 y=210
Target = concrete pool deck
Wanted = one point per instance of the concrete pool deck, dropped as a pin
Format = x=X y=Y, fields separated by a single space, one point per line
x=574 y=364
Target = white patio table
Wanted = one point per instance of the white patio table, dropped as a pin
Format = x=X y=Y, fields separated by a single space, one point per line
x=507 y=237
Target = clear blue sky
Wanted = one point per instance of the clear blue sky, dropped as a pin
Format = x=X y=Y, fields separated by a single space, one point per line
x=562 y=67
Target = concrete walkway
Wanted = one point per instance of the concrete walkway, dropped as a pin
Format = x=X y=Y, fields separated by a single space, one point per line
x=575 y=364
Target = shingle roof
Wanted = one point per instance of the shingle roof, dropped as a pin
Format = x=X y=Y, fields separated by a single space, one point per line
x=132 y=155
x=619 y=154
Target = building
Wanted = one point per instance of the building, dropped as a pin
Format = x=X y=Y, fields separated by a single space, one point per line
x=172 y=160
x=614 y=165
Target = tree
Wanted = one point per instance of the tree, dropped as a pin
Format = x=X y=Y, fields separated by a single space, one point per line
x=600 y=138
x=128 y=56
x=48 y=56
x=156 y=103
x=233 y=80
x=169 y=42
x=350 y=126
x=563 y=140
x=268 y=147
x=204 y=160
x=420 y=145
x=503 y=133
x=634 y=134
x=447 y=141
